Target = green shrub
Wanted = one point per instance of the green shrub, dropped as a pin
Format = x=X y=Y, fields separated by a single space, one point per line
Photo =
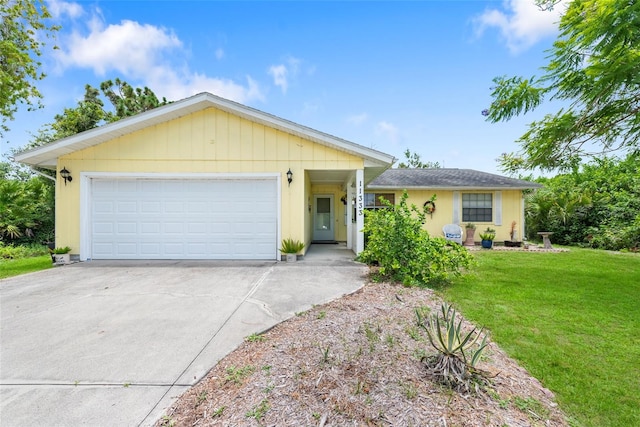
x=290 y=246
x=62 y=250
x=21 y=251
x=404 y=251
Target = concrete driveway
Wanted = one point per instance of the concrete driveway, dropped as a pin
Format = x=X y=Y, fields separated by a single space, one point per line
x=115 y=343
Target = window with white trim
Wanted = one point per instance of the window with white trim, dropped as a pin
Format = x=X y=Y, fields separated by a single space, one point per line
x=372 y=200
x=477 y=207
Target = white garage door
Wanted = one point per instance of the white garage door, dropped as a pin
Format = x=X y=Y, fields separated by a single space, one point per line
x=183 y=219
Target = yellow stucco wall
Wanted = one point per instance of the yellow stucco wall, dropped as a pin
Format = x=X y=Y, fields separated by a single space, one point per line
x=208 y=141
x=512 y=204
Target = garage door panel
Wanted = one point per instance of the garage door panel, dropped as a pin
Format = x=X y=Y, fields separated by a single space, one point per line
x=150 y=227
x=149 y=249
x=150 y=207
x=127 y=207
x=125 y=249
x=171 y=228
x=171 y=207
x=184 y=219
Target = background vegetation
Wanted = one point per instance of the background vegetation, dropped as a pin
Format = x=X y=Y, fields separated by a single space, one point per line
x=596 y=205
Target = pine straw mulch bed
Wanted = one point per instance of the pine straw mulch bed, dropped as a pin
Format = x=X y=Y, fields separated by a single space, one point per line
x=356 y=362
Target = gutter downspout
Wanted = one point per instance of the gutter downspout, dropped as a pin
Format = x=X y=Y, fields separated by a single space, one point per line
x=43 y=174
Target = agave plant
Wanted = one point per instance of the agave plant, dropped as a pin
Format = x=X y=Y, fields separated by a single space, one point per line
x=458 y=353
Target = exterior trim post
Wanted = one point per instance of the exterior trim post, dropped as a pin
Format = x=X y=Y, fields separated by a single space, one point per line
x=359 y=210
x=349 y=208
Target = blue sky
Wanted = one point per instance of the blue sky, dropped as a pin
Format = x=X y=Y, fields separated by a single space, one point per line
x=386 y=75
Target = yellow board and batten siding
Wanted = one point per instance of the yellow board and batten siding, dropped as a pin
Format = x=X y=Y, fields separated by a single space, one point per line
x=208 y=141
x=512 y=210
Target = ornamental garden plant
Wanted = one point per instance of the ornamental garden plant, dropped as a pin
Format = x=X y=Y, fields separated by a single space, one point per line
x=404 y=252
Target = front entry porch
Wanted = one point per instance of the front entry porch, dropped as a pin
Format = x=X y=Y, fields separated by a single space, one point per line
x=333 y=212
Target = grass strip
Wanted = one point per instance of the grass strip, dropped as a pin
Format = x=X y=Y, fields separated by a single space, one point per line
x=571 y=319
x=15 y=267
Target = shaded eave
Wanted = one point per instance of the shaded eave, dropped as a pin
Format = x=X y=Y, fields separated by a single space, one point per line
x=452 y=188
x=47 y=155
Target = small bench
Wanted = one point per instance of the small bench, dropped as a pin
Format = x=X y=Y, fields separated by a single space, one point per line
x=545 y=239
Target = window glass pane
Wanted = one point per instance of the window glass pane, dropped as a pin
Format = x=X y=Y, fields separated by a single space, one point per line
x=324 y=205
x=477 y=207
x=369 y=199
x=387 y=196
x=372 y=200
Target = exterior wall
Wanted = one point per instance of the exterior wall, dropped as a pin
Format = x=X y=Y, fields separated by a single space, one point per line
x=208 y=141
x=512 y=210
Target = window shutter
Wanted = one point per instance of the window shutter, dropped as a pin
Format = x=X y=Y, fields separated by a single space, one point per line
x=456 y=207
x=498 y=207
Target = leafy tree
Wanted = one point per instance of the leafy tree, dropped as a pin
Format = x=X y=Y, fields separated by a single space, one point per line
x=87 y=115
x=14 y=171
x=26 y=210
x=404 y=251
x=23 y=29
x=91 y=112
x=594 y=69
x=597 y=205
x=129 y=101
x=413 y=161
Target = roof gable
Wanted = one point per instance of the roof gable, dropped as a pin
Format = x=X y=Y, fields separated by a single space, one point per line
x=47 y=155
x=449 y=179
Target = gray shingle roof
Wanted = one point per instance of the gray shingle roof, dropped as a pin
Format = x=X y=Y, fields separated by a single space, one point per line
x=446 y=179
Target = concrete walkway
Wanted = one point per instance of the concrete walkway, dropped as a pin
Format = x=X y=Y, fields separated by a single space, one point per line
x=107 y=343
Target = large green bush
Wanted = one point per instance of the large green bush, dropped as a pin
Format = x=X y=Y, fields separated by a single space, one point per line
x=22 y=251
x=597 y=205
x=404 y=251
x=26 y=210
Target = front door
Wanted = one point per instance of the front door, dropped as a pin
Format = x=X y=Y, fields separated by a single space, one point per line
x=323 y=217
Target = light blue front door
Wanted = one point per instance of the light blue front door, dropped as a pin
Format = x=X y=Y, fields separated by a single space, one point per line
x=323 y=218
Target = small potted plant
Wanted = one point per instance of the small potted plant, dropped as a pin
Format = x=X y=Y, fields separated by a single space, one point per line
x=487 y=238
x=470 y=230
x=291 y=248
x=61 y=255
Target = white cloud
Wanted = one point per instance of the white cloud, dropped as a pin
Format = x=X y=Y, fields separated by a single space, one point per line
x=389 y=131
x=61 y=8
x=357 y=119
x=129 y=47
x=181 y=85
x=279 y=74
x=147 y=54
x=282 y=73
x=521 y=22
x=219 y=53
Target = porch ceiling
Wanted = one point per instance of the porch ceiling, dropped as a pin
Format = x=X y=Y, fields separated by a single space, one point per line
x=342 y=176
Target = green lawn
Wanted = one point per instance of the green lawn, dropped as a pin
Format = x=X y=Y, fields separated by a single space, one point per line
x=14 y=267
x=572 y=319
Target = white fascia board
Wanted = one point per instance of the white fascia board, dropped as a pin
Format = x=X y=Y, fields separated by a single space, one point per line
x=180 y=175
x=475 y=188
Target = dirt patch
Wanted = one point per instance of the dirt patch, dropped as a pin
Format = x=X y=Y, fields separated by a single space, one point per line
x=356 y=362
